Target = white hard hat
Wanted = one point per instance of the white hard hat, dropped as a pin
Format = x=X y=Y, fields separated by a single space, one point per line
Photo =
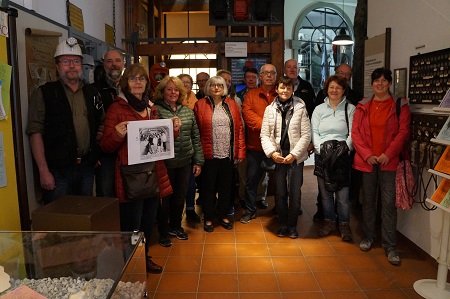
x=68 y=47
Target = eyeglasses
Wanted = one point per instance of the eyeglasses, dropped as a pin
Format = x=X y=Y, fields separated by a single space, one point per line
x=67 y=62
x=216 y=85
x=135 y=79
x=187 y=82
x=265 y=73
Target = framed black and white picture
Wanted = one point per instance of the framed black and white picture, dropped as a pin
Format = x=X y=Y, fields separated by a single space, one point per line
x=150 y=140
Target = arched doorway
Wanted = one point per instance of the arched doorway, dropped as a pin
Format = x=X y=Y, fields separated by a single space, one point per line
x=314 y=31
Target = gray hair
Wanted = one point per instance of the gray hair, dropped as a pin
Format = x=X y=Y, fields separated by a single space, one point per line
x=216 y=79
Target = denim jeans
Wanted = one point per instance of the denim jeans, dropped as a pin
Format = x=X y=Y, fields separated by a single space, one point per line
x=105 y=175
x=73 y=179
x=139 y=214
x=288 y=183
x=171 y=207
x=254 y=174
x=383 y=183
x=190 y=194
x=331 y=200
x=217 y=178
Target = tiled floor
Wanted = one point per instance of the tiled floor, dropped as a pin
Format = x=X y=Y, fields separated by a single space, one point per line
x=250 y=261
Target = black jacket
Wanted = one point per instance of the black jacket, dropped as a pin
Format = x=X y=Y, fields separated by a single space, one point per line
x=336 y=164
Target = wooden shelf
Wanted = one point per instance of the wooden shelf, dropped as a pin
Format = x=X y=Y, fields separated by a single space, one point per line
x=438 y=205
x=438 y=173
x=440 y=141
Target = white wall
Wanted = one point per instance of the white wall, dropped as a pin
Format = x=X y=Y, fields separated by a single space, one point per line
x=414 y=23
x=95 y=15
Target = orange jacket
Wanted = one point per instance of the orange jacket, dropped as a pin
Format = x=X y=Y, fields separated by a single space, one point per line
x=253 y=107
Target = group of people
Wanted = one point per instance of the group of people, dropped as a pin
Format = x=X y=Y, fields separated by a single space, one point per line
x=78 y=132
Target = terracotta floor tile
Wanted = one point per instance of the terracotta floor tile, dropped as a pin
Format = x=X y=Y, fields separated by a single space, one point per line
x=325 y=263
x=383 y=294
x=163 y=295
x=412 y=294
x=258 y=282
x=255 y=237
x=218 y=283
x=220 y=238
x=251 y=227
x=290 y=264
x=344 y=295
x=218 y=296
x=158 y=250
x=303 y=295
x=271 y=237
x=336 y=281
x=317 y=248
x=346 y=248
x=369 y=280
x=297 y=282
x=211 y=250
x=153 y=282
x=404 y=279
x=252 y=250
x=219 y=264
x=360 y=262
x=185 y=282
x=183 y=264
x=255 y=264
x=285 y=249
x=193 y=238
x=187 y=249
x=261 y=296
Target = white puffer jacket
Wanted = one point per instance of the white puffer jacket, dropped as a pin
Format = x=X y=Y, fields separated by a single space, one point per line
x=299 y=130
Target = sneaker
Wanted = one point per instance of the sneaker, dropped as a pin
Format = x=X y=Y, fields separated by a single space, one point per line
x=393 y=257
x=178 y=233
x=366 y=244
x=346 y=233
x=247 y=217
x=165 y=241
x=151 y=267
x=292 y=233
x=328 y=227
x=262 y=204
x=282 y=232
x=231 y=211
x=192 y=216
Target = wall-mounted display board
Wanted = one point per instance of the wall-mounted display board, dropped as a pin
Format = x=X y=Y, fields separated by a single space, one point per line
x=240 y=65
x=429 y=77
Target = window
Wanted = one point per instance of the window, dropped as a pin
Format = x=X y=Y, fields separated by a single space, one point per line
x=316 y=56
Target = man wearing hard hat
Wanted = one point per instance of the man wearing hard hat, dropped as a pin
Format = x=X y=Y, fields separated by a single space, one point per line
x=65 y=120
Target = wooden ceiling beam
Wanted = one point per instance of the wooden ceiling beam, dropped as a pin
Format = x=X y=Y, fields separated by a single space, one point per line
x=208 y=48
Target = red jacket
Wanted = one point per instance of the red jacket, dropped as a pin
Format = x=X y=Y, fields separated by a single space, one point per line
x=203 y=110
x=118 y=112
x=397 y=133
x=253 y=107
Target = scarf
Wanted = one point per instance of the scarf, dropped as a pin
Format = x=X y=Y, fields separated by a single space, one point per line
x=138 y=105
x=284 y=106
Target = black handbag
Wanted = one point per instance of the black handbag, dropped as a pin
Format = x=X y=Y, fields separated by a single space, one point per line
x=140 y=181
x=268 y=164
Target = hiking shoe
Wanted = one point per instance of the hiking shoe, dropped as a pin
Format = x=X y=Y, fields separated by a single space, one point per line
x=247 y=217
x=262 y=204
x=292 y=233
x=366 y=244
x=346 y=233
x=282 y=232
x=178 y=233
x=393 y=257
x=231 y=211
x=165 y=241
x=328 y=227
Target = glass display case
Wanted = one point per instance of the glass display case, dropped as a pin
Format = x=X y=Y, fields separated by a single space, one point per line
x=72 y=265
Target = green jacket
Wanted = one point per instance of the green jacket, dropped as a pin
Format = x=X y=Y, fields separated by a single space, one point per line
x=187 y=146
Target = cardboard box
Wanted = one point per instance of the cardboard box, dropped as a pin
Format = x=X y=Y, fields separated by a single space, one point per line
x=78 y=213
